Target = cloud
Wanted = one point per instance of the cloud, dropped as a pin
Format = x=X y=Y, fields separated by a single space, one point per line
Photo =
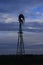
x=12 y=5
x=33 y=28
x=10 y=19
x=7 y=18
x=34 y=20
x=10 y=9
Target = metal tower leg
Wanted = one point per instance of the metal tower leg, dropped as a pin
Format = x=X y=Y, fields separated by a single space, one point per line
x=20 y=44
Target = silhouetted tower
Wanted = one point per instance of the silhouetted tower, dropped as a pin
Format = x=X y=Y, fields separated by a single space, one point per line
x=20 y=44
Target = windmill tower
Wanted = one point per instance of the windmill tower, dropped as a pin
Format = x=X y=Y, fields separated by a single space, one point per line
x=20 y=44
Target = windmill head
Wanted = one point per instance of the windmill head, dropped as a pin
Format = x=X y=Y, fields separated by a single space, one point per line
x=21 y=18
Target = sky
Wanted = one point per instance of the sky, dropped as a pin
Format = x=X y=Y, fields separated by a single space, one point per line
x=33 y=42
x=9 y=12
x=31 y=9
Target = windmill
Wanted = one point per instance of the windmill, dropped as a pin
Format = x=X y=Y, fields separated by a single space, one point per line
x=20 y=44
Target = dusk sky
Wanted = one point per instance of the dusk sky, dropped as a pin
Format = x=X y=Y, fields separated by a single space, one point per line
x=32 y=31
x=10 y=9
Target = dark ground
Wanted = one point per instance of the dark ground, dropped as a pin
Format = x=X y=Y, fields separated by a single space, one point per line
x=21 y=59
